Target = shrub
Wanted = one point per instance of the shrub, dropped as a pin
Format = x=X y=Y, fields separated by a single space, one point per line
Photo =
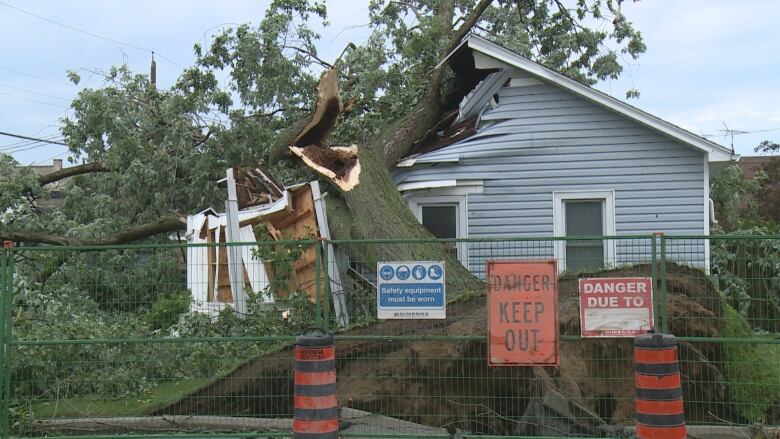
x=167 y=309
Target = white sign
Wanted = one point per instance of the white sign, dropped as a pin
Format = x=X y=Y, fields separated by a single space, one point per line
x=616 y=307
x=410 y=290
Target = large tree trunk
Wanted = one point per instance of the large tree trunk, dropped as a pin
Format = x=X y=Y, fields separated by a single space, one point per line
x=374 y=210
x=367 y=205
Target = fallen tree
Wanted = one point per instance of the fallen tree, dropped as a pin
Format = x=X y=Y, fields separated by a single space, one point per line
x=434 y=382
x=148 y=152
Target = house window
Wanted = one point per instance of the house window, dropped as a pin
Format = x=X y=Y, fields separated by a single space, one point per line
x=445 y=217
x=584 y=218
x=584 y=213
x=442 y=221
x=442 y=207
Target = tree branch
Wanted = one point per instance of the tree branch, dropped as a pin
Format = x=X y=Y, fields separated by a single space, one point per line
x=310 y=55
x=404 y=133
x=165 y=225
x=70 y=172
x=469 y=23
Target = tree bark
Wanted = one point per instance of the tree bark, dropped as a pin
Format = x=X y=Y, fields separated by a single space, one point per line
x=164 y=225
x=376 y=211
x=397 y=141
x=72 y=171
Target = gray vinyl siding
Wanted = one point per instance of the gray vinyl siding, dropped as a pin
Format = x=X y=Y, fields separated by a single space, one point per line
x=541 y=139
x=472 y=104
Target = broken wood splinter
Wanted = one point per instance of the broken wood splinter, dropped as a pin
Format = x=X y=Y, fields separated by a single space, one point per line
x=339 y=163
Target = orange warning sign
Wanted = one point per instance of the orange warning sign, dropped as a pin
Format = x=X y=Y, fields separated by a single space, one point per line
x=522 y=313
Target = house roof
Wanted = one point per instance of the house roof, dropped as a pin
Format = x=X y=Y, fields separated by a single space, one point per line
x=714 y=151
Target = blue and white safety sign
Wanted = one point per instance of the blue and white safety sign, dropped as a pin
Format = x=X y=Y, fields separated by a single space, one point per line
x=410 y=290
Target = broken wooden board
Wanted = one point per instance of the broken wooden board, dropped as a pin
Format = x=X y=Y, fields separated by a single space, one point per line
x=297 y=222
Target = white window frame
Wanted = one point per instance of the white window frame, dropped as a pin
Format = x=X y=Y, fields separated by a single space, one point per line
x=461 y=219
x=608 y=218
x=452 y=192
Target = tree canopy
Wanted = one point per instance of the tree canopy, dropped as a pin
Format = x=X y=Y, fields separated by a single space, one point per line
x=149 y=154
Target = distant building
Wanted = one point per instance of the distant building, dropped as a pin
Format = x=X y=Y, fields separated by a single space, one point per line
x=55 y=188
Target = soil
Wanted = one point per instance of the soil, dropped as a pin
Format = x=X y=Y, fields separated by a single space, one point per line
x=448 y=383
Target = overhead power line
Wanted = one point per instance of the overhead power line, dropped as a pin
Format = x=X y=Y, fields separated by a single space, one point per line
x=24 y=145
x=34 y=76
x=91 y=34
x=32 y=100
x=37 y=139
x=34 y=92
x=18 y=150
x=14 y=145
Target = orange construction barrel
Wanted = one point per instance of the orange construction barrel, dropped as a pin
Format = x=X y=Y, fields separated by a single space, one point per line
x=315 y=408
x=659 y=401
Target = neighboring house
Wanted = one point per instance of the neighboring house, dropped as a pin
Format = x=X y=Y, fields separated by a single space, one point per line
x=538 y=154
x=55 y=188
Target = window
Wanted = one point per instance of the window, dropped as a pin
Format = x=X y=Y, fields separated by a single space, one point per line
x=584 y=218
x=442 y=207
x=584 y=213
x=445 y=217
x=442 y=221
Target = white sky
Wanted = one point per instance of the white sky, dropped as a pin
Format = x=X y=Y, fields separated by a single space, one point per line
x=708 y=62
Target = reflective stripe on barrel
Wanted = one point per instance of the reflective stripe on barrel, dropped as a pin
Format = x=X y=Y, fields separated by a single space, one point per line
x=659 y=403
x=315 y=407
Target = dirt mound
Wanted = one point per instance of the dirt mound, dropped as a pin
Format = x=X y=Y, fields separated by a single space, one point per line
x=441 y=382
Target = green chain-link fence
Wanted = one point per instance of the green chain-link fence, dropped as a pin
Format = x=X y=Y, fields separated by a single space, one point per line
x=153 y=340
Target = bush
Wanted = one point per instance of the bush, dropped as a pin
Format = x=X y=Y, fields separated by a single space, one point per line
x=752 y=369
x=167 y=309
x=748 y=272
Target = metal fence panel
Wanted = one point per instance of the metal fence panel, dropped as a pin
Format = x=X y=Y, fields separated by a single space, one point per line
x=740 y=338
x=144 y=339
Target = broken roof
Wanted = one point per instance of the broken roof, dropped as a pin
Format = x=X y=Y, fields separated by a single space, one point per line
x=487 y=55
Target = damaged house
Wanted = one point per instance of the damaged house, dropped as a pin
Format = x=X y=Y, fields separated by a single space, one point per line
x=533 y=153
x=527 y=153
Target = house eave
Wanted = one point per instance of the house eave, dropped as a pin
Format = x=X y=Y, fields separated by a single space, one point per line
x=715 y=152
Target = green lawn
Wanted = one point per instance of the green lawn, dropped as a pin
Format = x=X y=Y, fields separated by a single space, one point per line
x=91 y=406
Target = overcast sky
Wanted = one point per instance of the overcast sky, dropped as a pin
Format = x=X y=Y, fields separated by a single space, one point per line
x=709 y=64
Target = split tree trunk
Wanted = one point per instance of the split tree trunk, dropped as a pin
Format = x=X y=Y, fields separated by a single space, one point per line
x=368 y=205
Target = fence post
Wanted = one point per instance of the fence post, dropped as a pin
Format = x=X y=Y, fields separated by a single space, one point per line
x=6 y=291
x=664 y=319
x=654 y=264
x=326 y=286
x=317 y=285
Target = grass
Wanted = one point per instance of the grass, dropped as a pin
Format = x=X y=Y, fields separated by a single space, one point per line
x=752 y=369
x=93 y=406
